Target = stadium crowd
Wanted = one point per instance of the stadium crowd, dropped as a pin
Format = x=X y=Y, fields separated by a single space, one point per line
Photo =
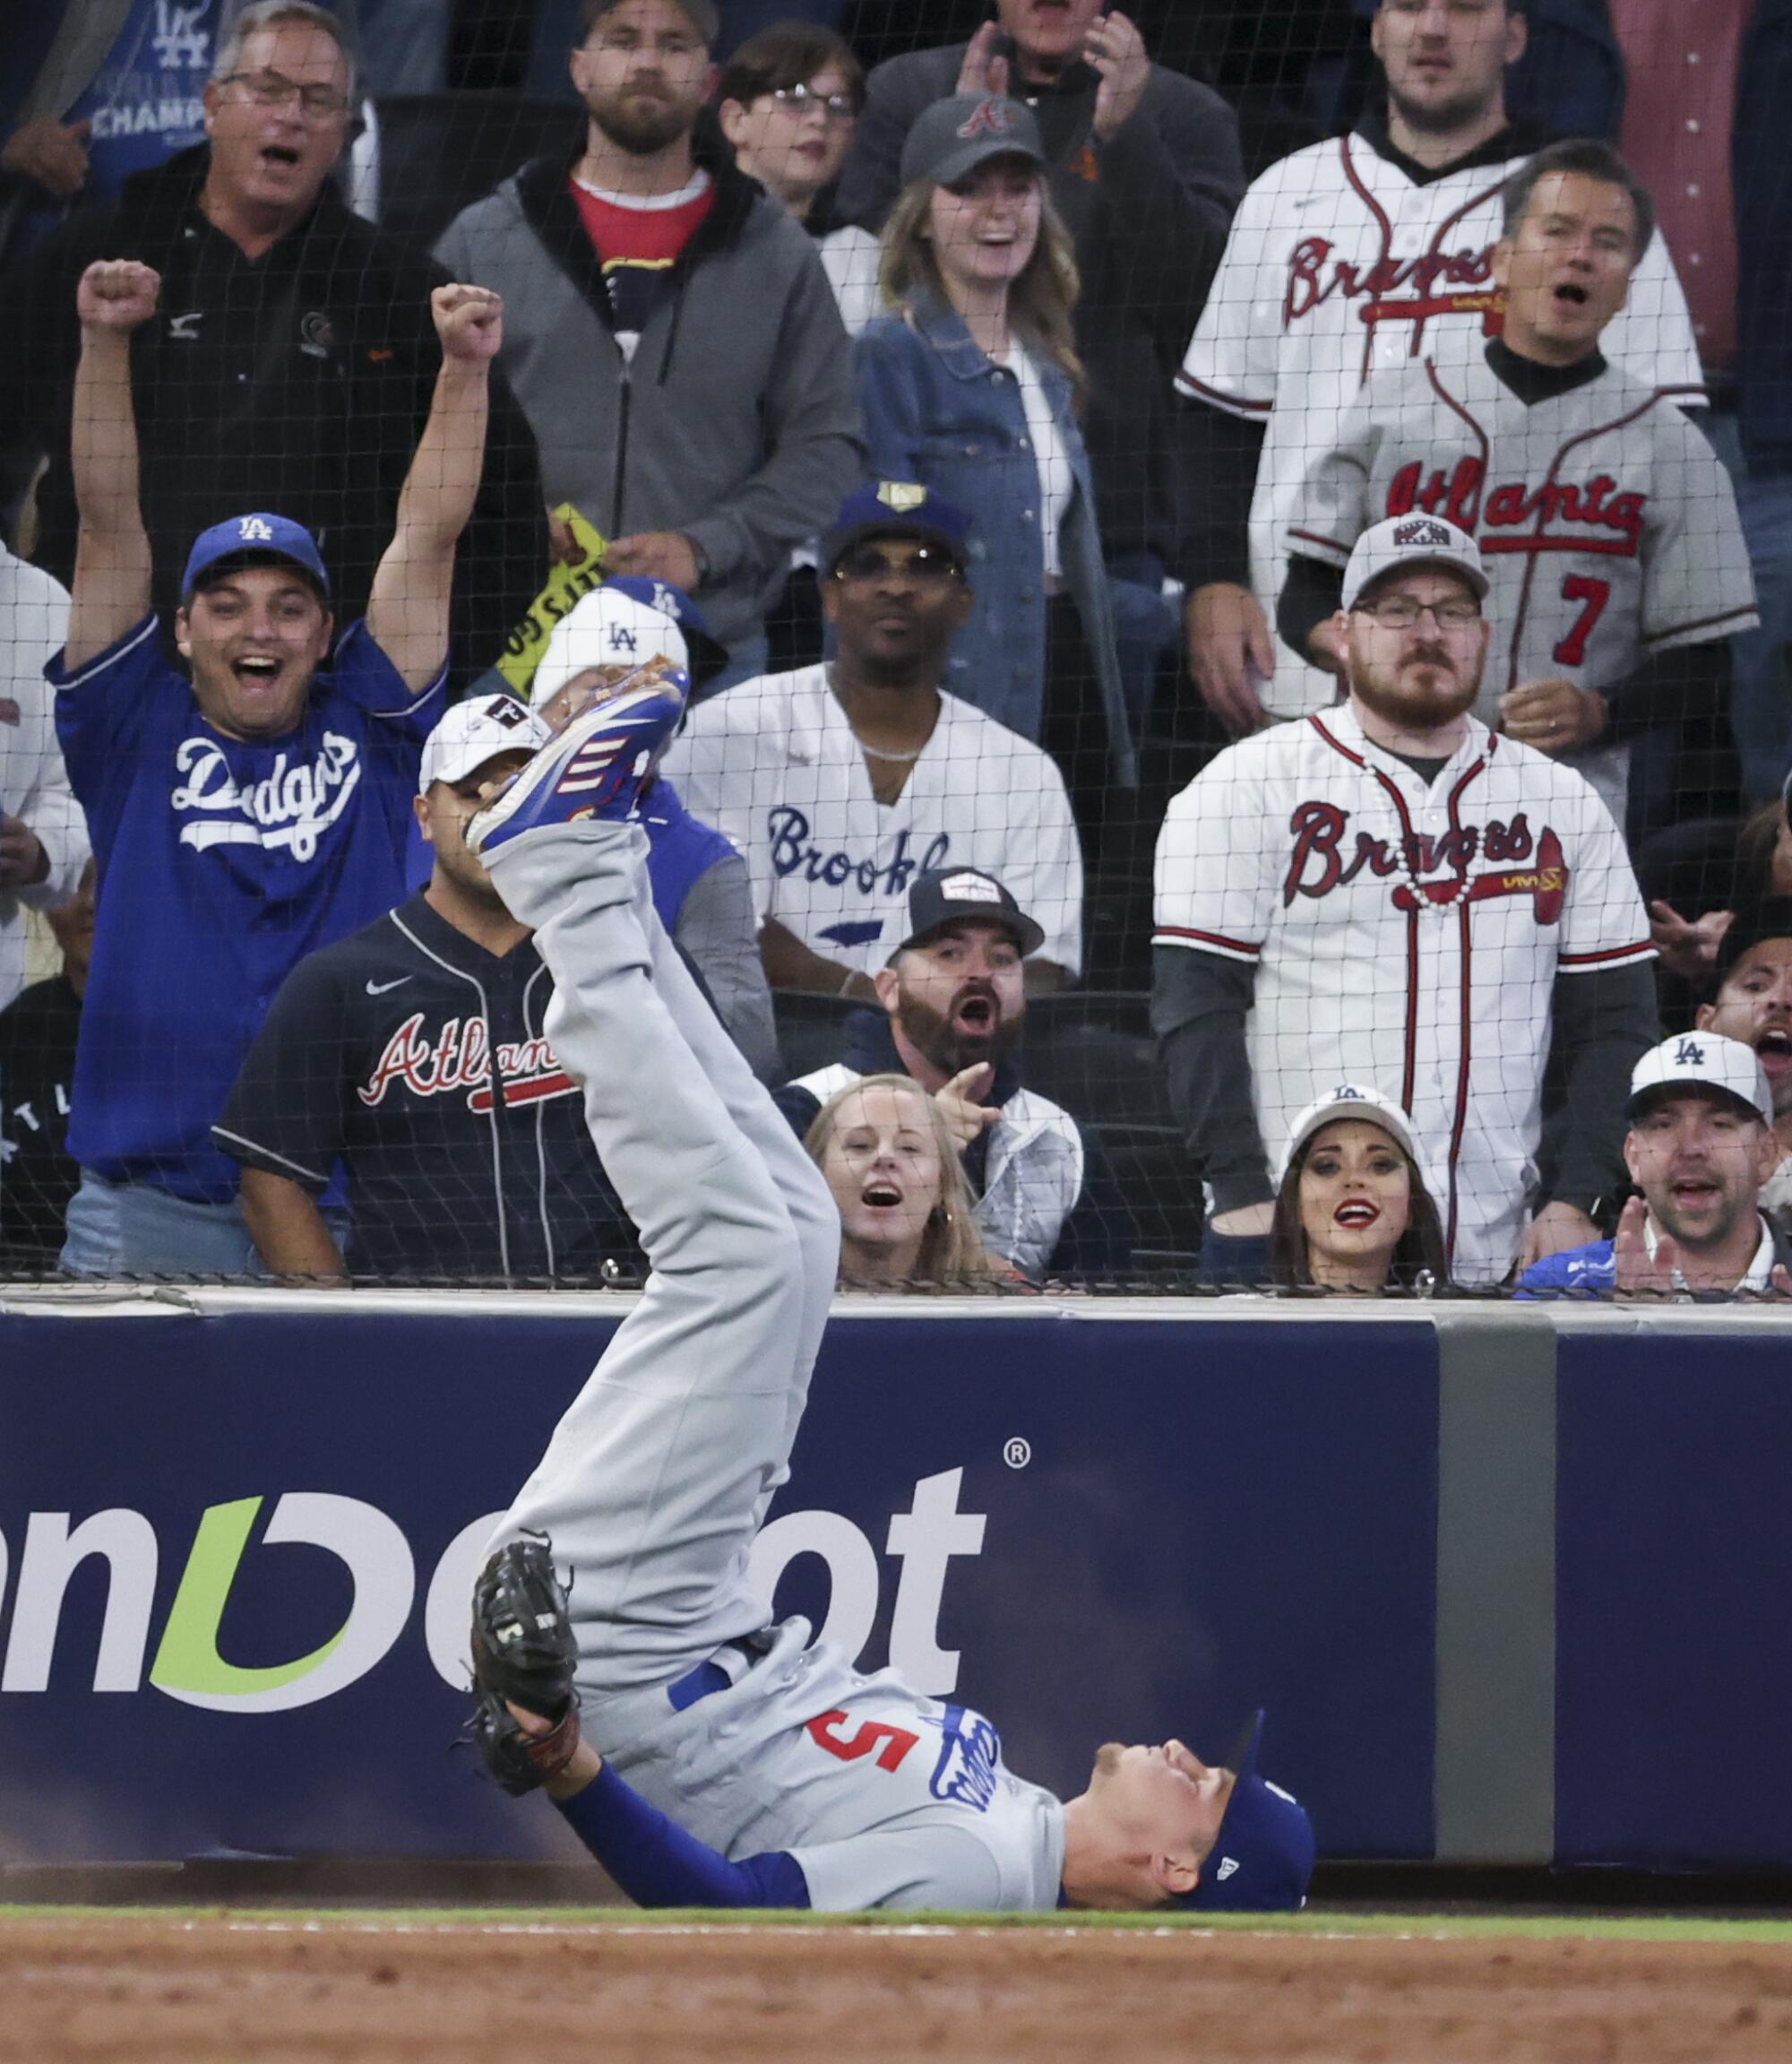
x=1234 y=570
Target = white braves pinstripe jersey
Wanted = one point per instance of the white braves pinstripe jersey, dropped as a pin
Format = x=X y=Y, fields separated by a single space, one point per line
x=1606 y=525
x=1337 y=263
x=1298 y=850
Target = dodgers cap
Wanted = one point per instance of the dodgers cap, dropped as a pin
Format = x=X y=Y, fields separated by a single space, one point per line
x=1401 y=543
x=897 y=509
x=627 y=622
x=253 y=539
x=950 y=139
x=475 y=731
x=1702 y=1060
x=1262 y=1859
x=942 y=897
x=1349 y=1100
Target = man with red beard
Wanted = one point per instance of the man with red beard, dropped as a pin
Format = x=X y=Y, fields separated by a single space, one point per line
x=953 y=1002
x=1753 y=1004
x=1388 y=892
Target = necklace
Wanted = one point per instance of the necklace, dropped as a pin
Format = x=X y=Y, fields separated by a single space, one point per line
x=1422 y=896
x=864 y=745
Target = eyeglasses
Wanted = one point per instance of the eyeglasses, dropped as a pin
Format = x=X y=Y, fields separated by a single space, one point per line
x=799 y=99
x=270 y=90
x=1401 y=613
x=926 y=564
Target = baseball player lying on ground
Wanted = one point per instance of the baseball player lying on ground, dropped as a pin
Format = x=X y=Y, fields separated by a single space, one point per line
x=730 y=1763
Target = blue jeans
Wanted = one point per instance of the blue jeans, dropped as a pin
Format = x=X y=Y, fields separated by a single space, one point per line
x=1760 y=696
x=125 y=1229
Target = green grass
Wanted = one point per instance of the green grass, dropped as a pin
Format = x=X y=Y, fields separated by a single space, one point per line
x=1452 y=1927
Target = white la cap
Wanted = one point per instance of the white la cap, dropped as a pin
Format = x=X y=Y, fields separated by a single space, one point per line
x=475 y=731
x=1347 y=1100
x=1706 y=1060
x=1409 y=541
x=607 y=629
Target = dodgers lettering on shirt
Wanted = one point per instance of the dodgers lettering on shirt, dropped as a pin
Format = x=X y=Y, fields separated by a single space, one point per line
x=146 y=101
x=222 y=861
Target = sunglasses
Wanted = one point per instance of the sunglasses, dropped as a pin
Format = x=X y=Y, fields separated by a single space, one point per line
x=929 y=564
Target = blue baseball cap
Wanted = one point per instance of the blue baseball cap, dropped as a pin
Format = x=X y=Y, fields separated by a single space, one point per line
x=897 y=509
x=252 y=538
x=1261 y=1859
x=705 y=654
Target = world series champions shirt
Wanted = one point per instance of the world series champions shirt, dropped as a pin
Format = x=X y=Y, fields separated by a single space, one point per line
x=222 y=862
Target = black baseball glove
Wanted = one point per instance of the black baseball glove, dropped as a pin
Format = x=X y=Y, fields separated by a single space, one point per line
x=523 y=1654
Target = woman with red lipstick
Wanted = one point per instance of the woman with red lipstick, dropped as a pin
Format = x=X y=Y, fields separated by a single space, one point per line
x=1352 y=1213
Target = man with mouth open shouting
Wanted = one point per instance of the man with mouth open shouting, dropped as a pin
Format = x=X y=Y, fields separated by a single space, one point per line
x=245 y=817
x=1753 y=1004
x=954 y=1006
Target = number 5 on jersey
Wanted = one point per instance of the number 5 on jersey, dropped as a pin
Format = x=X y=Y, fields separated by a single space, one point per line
x=896 y=1742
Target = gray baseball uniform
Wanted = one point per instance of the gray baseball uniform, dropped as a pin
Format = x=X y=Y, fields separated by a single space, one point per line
x=657 y=1480
x=1608 y=527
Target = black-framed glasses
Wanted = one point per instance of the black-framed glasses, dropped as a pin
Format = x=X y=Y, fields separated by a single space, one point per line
x=1401 y=613
x=799 y=99
x=931 y=565
x=270 y=90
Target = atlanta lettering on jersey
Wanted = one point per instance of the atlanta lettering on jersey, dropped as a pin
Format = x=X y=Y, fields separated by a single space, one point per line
x=792 y=851
x=1548 y=510
x=1318 y=865
x=1392 y=289
x=459 y=1058
x=290 y=807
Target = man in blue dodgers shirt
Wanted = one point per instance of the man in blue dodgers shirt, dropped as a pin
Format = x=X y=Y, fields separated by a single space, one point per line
x=244 y=818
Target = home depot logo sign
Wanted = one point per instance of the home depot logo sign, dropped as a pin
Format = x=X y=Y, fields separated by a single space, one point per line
x=186 y=1663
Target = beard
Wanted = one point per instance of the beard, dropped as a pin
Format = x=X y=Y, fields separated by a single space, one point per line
x=950 y=1048
x=1437 y=117
x=640 y=128
x=1395 y=695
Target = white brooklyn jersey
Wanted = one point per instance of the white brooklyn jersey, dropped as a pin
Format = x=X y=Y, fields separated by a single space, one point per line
x=1606 y=525
x=774 y=765
x=1405 y=937
x=1338 y=263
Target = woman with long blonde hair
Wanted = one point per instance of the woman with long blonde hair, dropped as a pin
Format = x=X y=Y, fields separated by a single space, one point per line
x=971 y=386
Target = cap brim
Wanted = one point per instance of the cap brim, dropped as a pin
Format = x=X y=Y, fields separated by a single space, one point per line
x=227 y=563
x=1415 y=562
x=1678 y=1085
x=839 y=543
x=963 y=161
x=1028 y=936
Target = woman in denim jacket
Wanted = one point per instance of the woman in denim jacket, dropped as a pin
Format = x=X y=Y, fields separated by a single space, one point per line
x=972 y=388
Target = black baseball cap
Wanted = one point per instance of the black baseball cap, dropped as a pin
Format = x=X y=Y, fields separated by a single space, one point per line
x=942 y=897
x=701 y=14
x=896 y=509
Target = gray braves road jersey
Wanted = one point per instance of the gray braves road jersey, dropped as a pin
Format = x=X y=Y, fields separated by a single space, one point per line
x=1338 y=264
x=883 y=1797
x=1606 y=525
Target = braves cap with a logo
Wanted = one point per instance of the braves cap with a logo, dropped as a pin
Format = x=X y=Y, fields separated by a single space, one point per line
x=945 y=896
x=1401 y=544
x=476 y=731
x=950 y=139
x=1702 y=1060
x=628 y=622
x=254 y=540
x=897 y=509
x=1262 y=1859
x=1349 y=1099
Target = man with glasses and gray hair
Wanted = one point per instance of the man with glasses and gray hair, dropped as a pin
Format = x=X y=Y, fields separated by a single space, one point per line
x=291 y=357
x=1389 y=893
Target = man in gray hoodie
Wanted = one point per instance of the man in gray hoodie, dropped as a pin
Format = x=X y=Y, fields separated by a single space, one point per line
x=669 y=331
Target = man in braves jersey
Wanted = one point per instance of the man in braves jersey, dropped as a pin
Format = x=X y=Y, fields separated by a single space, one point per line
x=413 y=1054
x=842 y=783
x=1390 y=894
x=1354 y=254
x=1608 y=527
x=246 y=815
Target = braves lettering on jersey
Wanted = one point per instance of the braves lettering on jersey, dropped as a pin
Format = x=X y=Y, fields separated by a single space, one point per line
x=1405 y=937
x=222 y=863
x=774 y=764
x=1340 y=263
x=419 y=1061
x=1606 y=525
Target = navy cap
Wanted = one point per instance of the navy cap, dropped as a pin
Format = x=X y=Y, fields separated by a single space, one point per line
x=944 y=896
x=896 y=509
x=705 y=654
x=948 y=141
x=1261 y=1859
x=251 y=538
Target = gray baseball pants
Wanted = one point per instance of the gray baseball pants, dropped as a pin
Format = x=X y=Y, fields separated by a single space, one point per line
x=656 y=1480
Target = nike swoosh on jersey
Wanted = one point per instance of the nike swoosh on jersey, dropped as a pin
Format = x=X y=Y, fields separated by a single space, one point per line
x=380 y=988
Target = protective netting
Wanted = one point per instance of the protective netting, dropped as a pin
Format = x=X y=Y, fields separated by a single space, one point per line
x=1222 y=554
